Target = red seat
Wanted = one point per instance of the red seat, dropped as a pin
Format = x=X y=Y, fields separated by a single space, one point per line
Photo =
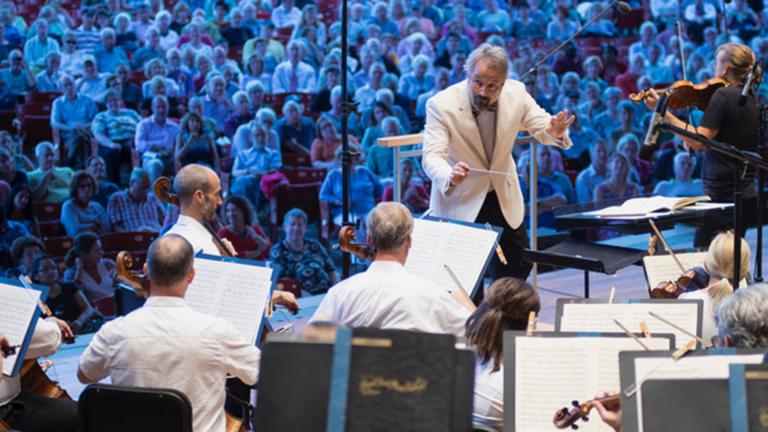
x=296 y=160
x=52 y=228
x=300 y=176
x=48 y=211
x=292 y=286
x=58 y=247
x=284 y=35
x=131 y=241
x=631 y=20
x=42 y=97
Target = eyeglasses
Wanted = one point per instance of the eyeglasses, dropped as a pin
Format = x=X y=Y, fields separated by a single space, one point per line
x=492 y=87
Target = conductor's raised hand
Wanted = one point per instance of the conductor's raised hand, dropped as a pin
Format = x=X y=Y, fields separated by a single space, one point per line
x=559 y=123
x=459 y=173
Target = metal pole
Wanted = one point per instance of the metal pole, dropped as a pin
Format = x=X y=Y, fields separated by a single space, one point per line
x=396 y=188
x=533 y=181
x=346 y=156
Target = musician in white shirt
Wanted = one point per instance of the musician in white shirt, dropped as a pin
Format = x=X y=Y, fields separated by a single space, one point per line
x=386 y=296
x=166 y=344
x=22 y=411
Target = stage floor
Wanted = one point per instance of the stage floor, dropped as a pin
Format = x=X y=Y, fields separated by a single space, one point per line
x=629 y=283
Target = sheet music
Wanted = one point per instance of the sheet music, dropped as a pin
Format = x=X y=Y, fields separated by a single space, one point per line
x=462 y=248
x=598 y=317
x=235 y=292
x=698 y=367
x=661 y=268
x=553 y=371
x=17 y=308
x=645 y=205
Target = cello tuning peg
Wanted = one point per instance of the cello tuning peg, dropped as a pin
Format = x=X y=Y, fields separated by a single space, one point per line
x=574 y=426
x=564 y=410
x=585 y=418
x=575 y=403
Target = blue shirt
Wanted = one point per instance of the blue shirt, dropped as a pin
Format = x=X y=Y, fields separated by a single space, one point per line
x=364 y=187
x=14 y=231
x=66 y=112
x=586 y=183
x=108 y=60
x=674 y=188
x=152 y=136
x=36 y=51
x=262 y=159
x=562 y=183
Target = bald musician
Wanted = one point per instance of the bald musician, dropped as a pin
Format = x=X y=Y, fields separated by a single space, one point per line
x=166 y=344
x=199 y=191
x=386 y=296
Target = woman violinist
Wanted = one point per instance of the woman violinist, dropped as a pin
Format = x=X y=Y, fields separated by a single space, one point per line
x=726 y=121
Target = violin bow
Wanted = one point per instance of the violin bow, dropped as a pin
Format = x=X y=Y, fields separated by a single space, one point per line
x=666 y=245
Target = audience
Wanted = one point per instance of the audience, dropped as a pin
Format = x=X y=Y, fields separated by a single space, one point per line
x=134 y=209
x=80 y=213
x=49 y=183
x=683 y=185
x=87 y=267
x=243 y=230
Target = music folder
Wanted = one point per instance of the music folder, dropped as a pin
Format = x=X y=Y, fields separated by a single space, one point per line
x=19 y=313
x=748 y=394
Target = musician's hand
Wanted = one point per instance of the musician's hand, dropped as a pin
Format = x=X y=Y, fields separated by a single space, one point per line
x=610 y=416
x=230 y=248
x=66 y=332
x=4 y=345
x=559 y=123
x=286 y=300
x=459 y=173
x=652 y=99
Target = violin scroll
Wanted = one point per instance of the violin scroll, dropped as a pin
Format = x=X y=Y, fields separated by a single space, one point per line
x=347 y=244
x=133 y=278
x=565 y=417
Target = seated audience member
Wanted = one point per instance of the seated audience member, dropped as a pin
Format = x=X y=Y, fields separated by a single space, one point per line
x=412 y=192
x=417 y=81
x=87 y=267
x=295 y=131
x=49 y=183
x=216 y=105
x=380 y=159
x=71 y=56
x=741 y=318
x=10 y=230
x=682 y=185
x=549 y=196
x=129 y=91
x=108 y=55
x=92 y=83
x=21 y=410
x=294 y=75
x=386 y=296
x=17 y=79
x=251 y=163
x=157 y=133
x=640 y=169
x=323 y=152
x=80 y=213
x=48 y=79
x=594 y=174
x=617 y=185
x=18 y=208
x=115 y=129
x=9 y=172
x=151 y=50
x=10 y=143
x=182 y=341
x=625 y=125
x=24 y=250
x=193 y=145
x=301 y=258
x=506 y=306
x=196 y=104
x=548 y=172
x=241 y=115
x=243 y=230
x=364 y=189
x=98 y=169
x=65 y=299
x=71 y=116
x=134 y=209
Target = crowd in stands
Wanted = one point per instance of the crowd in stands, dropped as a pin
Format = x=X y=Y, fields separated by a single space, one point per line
x=135 y=89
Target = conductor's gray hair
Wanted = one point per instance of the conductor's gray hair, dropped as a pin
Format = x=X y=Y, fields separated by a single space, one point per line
x=743 y=317
x=389 y=226
x=495 y=56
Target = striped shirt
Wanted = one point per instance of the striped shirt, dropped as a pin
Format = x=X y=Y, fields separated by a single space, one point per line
x=116 y=127
x=134 y=215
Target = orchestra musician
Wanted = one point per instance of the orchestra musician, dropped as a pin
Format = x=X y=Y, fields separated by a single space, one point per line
x=473 y=125
x=29 y=413
x=166 y=344
x=386 y=296
x=726 y=121
x=505 y=307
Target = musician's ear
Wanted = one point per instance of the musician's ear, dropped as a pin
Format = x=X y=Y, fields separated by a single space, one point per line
x=191 y=275
x=409 y=242
x=146 y=268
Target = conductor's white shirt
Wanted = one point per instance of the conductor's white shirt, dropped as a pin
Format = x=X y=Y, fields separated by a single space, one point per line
x=46 y=339
x=166 y=344
x=195 y=233
x=386 y=296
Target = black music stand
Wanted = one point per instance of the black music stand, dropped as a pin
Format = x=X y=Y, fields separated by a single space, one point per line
x=747 y=159
x=590 y=257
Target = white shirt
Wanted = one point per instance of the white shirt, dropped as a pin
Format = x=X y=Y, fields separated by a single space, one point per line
x=165 y=344
x=196 y=234
x=386 y=296
x=45 y=341
x=305 y=78
x=708 y=325
x=97 y=290
x=283 y=17
x=489 y=395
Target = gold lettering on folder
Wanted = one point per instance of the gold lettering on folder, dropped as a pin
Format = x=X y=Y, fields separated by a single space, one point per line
x=373 y=385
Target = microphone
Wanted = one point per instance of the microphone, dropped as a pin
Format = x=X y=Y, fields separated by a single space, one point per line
x=747 y=85
x=658 y=116
x=623 y=7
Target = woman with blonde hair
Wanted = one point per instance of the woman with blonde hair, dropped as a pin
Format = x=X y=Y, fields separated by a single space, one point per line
x=719 y=267
x=728 y=121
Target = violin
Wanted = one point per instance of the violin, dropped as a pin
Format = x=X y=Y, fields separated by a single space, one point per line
x=348 y=245
x=689 y=280
x=567 y=418
x=133 y=278
x=163 y=187
x=682 y=94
